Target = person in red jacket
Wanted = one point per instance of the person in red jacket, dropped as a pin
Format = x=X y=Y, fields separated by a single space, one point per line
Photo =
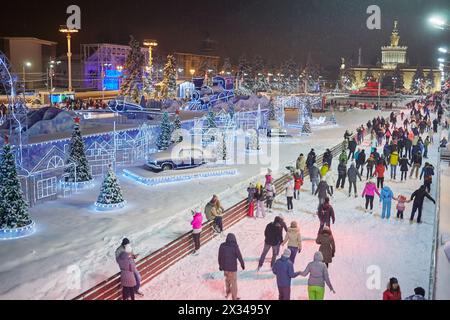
x=393 y=291
x=298 y=184
x=379 y=173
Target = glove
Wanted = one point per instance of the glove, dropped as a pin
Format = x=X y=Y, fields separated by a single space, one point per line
x=220 y=269
x=243 y=267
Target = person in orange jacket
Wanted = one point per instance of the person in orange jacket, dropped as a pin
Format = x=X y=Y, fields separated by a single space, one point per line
x=298 y=184
x=393 y=291
x=379 y=173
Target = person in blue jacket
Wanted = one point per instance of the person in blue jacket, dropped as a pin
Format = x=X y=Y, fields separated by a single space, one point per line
x=284 y=270
x=386 y=197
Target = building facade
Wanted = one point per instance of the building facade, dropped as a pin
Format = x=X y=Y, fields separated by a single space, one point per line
x=395 y=73
x=191 y=65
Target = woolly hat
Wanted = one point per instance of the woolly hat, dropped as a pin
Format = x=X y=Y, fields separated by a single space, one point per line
x=287 y=253
x=125 y=242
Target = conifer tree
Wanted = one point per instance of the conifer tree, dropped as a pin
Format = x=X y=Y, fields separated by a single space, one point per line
x=111 y=192
x=165 y=136
x=132 y=78
x=78 y=166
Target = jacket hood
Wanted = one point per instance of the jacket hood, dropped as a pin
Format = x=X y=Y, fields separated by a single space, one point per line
x=318 y=257
x=386 y=189
x=231 y=239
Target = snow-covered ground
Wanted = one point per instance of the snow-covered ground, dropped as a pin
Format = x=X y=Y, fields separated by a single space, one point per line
x=443 y=263
x=369 y=251
x=74 y=245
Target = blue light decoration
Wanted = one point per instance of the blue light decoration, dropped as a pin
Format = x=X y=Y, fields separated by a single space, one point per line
x=79 y=185
x=110 y=207
x=11 y=234
x=111 y=80
x=178 y=178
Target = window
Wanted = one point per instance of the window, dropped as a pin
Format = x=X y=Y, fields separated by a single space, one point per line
x=46 y=188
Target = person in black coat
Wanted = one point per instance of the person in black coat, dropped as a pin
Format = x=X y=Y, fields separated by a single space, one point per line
x=328 y=157
x=273 y=240
x=352 y=147
x=229 y=255
x=419 y=197
x=404 y=167
x=361 y=161
x=310 y=159
x=342 y=175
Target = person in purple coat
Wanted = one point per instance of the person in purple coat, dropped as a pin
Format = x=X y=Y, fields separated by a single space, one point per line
x=127 y=272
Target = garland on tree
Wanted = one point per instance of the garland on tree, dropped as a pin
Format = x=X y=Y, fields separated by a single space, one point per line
x=272 y=111
x=222 y=148
x=177 y=136
x=253 y=143
x=169 y=88
x=132 y=83
x=81 y=172
x=164 y=138
x=110 y=193
x=211 y=120
x=13 y=207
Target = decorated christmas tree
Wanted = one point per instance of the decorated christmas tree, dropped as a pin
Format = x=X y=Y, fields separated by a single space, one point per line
x=272 y=111
x=165 y=135
x=306 y=129
x=211 y=120
x=169 y=89
x=430 y=83
x=417 y=82
x=227 y=67
x=246 y=73
x=222 y=148
x=132 y=79
x=110 y=193
x=78 y=166
x=13 y=208
x=253 y=141
x=177 y=136
x=231 y=110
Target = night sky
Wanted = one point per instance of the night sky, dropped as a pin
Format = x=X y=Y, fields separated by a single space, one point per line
x=274 y=29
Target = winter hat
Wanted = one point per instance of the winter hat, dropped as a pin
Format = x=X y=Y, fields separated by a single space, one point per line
x=125 y=242
x=327 y=229
x=393 y=281
x=419 y=291
x=294 y=224
x=287 y=253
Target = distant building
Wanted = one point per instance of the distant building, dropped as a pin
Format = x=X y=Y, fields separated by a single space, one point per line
x=103 y=64
x=190 y=65
x=37 y=52
x=393 y=66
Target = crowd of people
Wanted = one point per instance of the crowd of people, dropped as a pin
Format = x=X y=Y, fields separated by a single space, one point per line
x=400 y=141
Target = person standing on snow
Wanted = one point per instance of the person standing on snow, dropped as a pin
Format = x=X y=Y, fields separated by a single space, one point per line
x=284 y=270
x=126 y=247
x=427 y=174
x=386 y=197
x=404 y=167
x=293 y=240
x=314 y=176
x=270 y=196
x=301 y=165
x=298 y=181
x=260 y=201
x=342 y=175
x=318 y=276
x=310 y=160
x=419 y=197
x=218 y=212
x=329 y=178
x=197 y=222
x=369 y=192
x=327 y=246
x=273 y=240
x=416 y=164
x=361 y=161
x=379 y=173
x=352 y=175
x=322 y=191
x=127 y=274
x=251 y=190
x=352 y=148
x=343 y=157
x=325 y=212
x=394 y=164
x=229 y=255
x=290 y=191
x=393 y=291
x=370 y=164
x=401 y=205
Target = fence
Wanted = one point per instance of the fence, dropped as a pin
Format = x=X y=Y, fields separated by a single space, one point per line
x=162 y=259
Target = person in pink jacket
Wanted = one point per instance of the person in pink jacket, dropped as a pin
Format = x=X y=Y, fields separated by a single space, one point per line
x=197 y=223
x=369 y=193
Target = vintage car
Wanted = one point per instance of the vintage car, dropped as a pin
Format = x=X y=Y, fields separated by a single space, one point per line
x=275 y=130
x=180 y=156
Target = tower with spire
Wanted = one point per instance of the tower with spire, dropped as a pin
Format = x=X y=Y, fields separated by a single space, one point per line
x=394 y=55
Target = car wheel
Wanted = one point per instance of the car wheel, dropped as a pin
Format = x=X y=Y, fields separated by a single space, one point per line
x=166 y=167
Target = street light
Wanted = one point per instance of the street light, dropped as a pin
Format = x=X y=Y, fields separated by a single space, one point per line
x=439 y=23
x=50 y=72
x=150 y=43
x=68 y=32
x=443 y=50
x=441 y=60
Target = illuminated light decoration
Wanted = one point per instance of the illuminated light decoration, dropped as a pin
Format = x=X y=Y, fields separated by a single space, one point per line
x=79 y=185
x=110 y=207
x=17 y=233
x=178 y=178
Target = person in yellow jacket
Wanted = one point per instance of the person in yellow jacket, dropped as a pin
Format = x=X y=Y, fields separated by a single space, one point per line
x=324 y=170
x=394 y=164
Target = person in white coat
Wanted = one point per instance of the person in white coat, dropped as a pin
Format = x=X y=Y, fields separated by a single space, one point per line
x=331 y=181
x=290 y=189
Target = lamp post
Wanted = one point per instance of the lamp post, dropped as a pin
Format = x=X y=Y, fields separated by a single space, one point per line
x=50 y=73
x=25 y=65
x=150 y=44
x=439 y=23
x=68 y=32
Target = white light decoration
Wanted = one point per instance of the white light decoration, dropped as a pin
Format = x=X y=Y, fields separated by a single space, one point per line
x=110 y=207
x=79 y=185
x=178 y=178
x=17 y=233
